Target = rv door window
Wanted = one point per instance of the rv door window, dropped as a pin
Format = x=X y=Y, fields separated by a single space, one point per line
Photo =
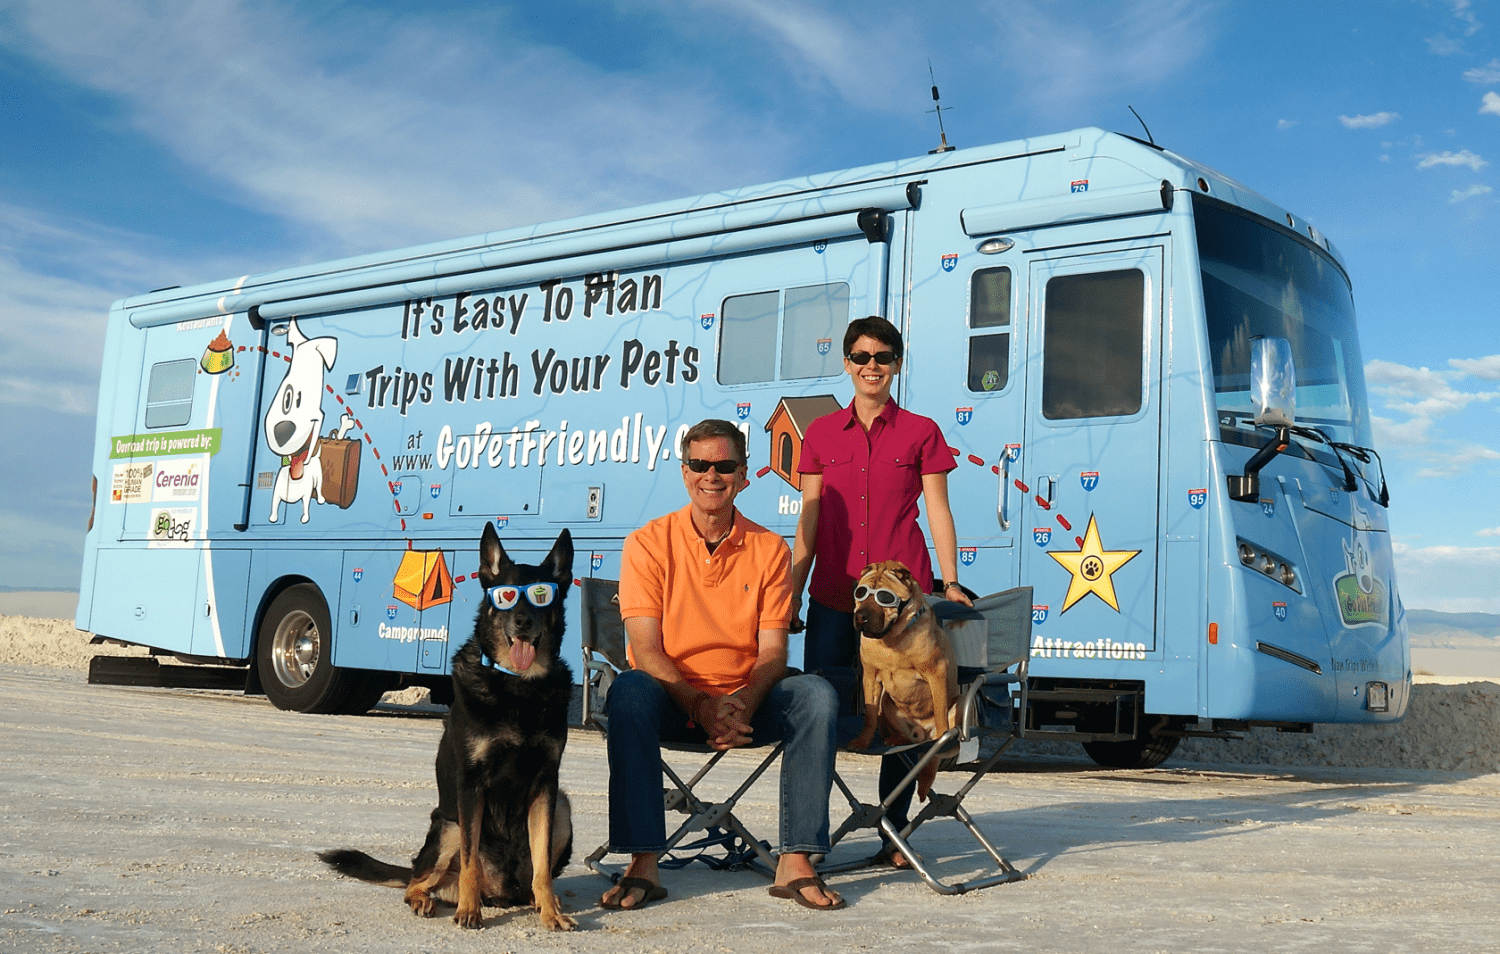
x=169 y=395
x=989 y=307
x=1093 y=348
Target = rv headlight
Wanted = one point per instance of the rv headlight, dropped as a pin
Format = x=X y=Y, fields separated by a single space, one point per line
x=1247 y=554
x=1288 y=576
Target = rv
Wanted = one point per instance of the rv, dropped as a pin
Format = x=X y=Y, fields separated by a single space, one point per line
x=1150 y=376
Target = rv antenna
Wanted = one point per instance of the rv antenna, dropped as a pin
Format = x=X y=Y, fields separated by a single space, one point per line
x=1142 y=122
x=937 y=107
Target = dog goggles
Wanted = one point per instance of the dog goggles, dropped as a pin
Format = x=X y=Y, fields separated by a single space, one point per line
x=883 y=596
x=505 y=597
x=862 y=358
x=700 y=466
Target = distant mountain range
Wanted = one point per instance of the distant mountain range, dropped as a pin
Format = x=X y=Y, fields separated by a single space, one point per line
x=1432 y=629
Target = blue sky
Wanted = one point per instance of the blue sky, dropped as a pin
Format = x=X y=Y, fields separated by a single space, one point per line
x=159 y=143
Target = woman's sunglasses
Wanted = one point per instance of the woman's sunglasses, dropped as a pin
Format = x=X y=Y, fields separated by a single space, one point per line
x=883 y=596
x=862 y=358
x=700 y=466
x=505 y=597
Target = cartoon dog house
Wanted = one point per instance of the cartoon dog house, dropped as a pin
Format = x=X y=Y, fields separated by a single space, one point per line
x=787 y=426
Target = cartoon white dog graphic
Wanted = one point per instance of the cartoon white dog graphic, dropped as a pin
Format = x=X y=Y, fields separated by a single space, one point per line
x=295 y=418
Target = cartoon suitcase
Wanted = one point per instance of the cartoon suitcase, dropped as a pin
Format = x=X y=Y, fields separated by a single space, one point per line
x=340 y=458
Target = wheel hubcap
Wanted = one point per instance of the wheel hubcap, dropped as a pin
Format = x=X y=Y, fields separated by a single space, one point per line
x=296 y=649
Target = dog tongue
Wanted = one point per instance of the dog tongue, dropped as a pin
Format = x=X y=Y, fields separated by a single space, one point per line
x=521 y=655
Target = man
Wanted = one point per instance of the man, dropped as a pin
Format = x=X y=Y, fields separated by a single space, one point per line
x=706 y=598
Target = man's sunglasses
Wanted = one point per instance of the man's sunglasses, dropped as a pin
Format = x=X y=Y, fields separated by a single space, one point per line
x=883 y=596
x=505 y=597
x=862 y=358
x=700 y=466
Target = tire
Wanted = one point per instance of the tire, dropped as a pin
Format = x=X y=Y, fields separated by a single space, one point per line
x=1148 y=752
x=294 y=658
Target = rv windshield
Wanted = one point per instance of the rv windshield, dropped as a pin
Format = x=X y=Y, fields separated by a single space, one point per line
x=1262 y=281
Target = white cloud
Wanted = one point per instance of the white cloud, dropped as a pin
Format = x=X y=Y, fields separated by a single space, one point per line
x=1062 y=71
x=1484 y=75
x=1448 y=578
x=1286 y=123
x=1416 y=400
x=1373 y=121
x=1461 y=158
x=1443 y=45
x=1488 y=532
x=379 y=129
x=1491 y=103
x=1469 y=193
x=1487 y=368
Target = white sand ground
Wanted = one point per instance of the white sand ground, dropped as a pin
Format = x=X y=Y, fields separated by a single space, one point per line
x=1453 y=723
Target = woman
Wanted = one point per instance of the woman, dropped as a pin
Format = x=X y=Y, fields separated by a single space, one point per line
x=863 y=469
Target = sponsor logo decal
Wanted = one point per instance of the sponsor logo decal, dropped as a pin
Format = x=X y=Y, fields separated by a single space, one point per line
x=172 y=526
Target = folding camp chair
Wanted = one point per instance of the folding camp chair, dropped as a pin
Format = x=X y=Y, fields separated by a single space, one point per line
x=603 y=640
x=992 y=643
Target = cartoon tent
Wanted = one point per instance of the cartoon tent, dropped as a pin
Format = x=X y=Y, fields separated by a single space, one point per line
x=422 y=579
x=788 y=425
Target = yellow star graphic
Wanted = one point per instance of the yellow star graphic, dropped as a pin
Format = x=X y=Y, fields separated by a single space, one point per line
x=1092 y=568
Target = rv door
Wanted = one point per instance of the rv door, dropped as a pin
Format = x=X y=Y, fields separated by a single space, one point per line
x=1090 y=459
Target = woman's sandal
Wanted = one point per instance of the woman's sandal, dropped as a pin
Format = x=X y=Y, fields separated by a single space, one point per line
x=793 y=890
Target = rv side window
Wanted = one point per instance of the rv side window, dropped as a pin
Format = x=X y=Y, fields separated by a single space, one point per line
x=1093 y=345
x=747 y=342
x=989 y=307
x=169 y=395
x=812 y=329
x=815 y=320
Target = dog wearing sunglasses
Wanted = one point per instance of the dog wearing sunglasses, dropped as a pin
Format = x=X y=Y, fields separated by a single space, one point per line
x=503 y=829
x=910 y=677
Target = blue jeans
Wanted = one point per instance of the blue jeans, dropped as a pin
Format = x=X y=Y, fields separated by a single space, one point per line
x=831 y=650
x=800 y=711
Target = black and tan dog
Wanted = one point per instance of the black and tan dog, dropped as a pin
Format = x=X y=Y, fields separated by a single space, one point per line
x=502 y=830
x=910 y=678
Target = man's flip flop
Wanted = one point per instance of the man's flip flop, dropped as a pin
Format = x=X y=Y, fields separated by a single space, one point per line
x=793 y=890
x=652 y=892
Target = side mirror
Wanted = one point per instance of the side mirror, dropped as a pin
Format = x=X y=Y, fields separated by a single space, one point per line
x=1273 y=392
x=1273 y=382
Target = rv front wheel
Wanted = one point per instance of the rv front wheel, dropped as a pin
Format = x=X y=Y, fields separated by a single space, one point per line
x=294 y=655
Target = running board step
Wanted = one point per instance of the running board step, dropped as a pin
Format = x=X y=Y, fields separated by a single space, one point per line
x=146 y=671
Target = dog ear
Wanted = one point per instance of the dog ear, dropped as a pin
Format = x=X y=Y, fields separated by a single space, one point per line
x=492 y=556
x=559 y=563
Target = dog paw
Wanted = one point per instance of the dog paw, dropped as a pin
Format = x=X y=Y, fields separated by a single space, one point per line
x=474 y=920
x=423 y=906
x=557 y=921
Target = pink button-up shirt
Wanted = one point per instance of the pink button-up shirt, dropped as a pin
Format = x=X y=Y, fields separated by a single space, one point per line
x=871 y=484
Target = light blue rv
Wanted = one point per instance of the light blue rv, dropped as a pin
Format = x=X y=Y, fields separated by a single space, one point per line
x=1150 y=374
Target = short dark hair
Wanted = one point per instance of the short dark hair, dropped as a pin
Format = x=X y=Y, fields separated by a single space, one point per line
x=714 y=427
x=873 y=327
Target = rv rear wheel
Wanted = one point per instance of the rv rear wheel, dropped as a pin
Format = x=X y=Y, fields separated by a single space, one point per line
x=1147 y=752
x=294 y=657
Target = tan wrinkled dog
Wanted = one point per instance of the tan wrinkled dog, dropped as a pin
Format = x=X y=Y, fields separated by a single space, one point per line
x=910 y=677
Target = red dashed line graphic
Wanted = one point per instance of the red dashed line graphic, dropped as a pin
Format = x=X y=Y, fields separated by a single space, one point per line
x=763 y=471
x=976 y=460
x=1064 y=521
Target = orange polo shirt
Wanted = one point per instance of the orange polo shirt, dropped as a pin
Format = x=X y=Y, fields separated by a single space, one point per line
x=712 y=606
